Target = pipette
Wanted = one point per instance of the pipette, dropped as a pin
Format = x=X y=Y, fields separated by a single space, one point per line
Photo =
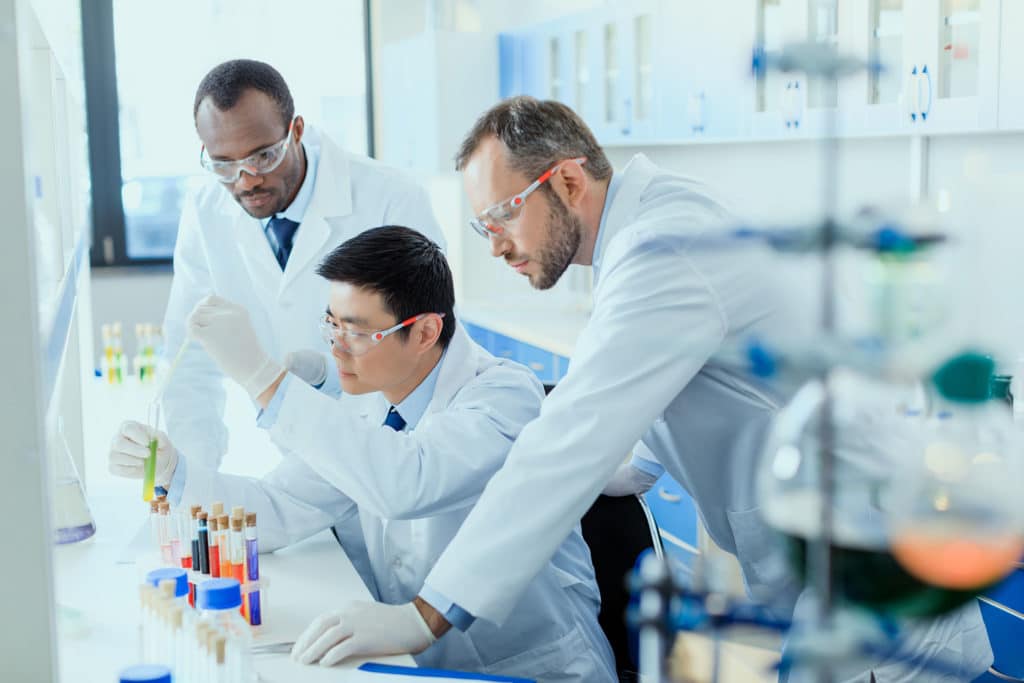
x=149 y=469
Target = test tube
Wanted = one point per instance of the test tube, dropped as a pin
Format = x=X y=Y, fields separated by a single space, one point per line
x=118 y=352
x=224 y=544
x=183 y=534
x=154 y=523
x=238 y=511
x=213 y=532
x=108 y=353
x=252 y=568
x=164 y=527
x=194 y=527
x=217 y=509
x=237 y=545
x=204 y=543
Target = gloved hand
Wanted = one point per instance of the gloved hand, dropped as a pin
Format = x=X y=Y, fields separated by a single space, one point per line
x=363 y=629
x=225 y=331
x=130 y=448
x=308 y=365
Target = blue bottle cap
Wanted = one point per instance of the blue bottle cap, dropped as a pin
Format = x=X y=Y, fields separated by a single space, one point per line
x=146 y=673
x=219 y=594
x=179 y=576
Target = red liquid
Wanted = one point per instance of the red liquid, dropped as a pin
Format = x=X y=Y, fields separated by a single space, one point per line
x=186 y=563
x=215 y=561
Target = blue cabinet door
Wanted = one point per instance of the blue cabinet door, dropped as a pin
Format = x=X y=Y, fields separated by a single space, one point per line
x=676 y=516
x=1005 y=634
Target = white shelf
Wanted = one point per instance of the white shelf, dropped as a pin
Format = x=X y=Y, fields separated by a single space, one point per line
x=554 y=330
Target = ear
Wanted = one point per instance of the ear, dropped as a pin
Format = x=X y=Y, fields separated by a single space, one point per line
x=426 y=332
x=572 y=183
x=298 y=128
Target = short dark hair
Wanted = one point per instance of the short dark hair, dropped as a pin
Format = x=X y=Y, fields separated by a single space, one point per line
x=536 y=133
x=408 y=270
x=226 y=82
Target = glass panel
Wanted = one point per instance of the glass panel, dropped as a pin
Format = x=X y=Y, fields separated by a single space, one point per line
x=959 y=46
x=823 y=27
x=886 y=49
x=582 y=70
x=644 y=59
x=770 y=33
x=157 y=75
x=611 y=72
x=555 y=69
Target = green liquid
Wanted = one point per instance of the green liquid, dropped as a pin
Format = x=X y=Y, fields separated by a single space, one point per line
x=875 y=580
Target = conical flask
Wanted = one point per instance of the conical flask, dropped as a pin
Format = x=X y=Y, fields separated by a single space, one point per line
x=72 y=519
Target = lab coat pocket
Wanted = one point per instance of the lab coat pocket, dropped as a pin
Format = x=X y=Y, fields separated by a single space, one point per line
x=548 y=662
x=762 y=558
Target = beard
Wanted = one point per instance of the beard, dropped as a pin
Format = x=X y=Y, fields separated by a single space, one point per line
x=564 y=234
x=279 y=197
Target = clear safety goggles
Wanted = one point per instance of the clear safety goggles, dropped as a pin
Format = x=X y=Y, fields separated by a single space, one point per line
x=357 y=343
x=494 y=222
x=260 y=163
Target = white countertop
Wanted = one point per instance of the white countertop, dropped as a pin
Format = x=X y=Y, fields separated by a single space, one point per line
x=554 y=330
x=97 y=598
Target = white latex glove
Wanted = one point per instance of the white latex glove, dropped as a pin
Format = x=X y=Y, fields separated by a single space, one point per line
x=363 y=629
x=225 y=331
x=130 y=448
x=308 y=365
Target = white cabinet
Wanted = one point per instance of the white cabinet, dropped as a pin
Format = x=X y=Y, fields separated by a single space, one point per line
x=704 y=91
x=942 y=67
x=430 y=95
x=956 y=84
x=793 y=104
x=1011 y=66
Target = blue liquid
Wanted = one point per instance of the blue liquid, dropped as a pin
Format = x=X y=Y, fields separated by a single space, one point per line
x=73 y=534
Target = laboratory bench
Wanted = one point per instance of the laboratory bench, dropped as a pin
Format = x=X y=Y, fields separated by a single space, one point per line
x=98 y=611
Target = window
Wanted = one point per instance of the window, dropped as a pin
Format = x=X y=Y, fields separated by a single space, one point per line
x=317 y=45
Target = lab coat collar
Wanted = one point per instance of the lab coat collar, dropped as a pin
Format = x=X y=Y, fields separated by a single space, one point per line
x=460 y=363
x=635 y=177
x=332 y=199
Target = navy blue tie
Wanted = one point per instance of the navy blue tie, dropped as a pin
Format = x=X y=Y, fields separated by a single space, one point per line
x=281 y=233
x=394 y=420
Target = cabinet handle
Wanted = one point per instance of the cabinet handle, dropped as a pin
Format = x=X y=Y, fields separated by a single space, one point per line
x=1001 y=676
x=915 y=102
x=627 y=109
x=926 y=76
x=669 y=497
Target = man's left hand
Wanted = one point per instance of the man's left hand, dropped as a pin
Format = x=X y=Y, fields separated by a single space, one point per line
x=225 y=331
x=363 y=629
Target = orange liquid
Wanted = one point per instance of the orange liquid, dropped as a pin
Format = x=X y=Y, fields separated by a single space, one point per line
x=238 y=573
x=960 y=563
x=215 y=561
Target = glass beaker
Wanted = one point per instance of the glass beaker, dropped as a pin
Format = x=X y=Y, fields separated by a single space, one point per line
x=897 y=505
x=69 y=511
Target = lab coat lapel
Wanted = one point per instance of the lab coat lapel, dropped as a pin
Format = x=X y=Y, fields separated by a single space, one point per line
x=259 y=259
x=636 y=176
x=460 y=364
x=332 y=199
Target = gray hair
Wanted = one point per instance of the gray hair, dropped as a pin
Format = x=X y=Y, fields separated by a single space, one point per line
x=537 y=134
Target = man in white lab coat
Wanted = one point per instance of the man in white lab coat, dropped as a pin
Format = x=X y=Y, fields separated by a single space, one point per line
x=425 y=418
x=280 y=197
x=642 y=370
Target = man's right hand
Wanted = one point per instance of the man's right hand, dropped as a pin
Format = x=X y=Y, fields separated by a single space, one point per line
x=130 y=448
x=308 y=365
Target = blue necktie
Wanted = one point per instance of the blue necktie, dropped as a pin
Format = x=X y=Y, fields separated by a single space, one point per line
x=394 y=420
x=281 y=232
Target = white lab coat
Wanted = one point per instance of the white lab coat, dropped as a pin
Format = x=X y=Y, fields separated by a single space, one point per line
x=411 y=491
x=222 y=250
x=640 y=371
